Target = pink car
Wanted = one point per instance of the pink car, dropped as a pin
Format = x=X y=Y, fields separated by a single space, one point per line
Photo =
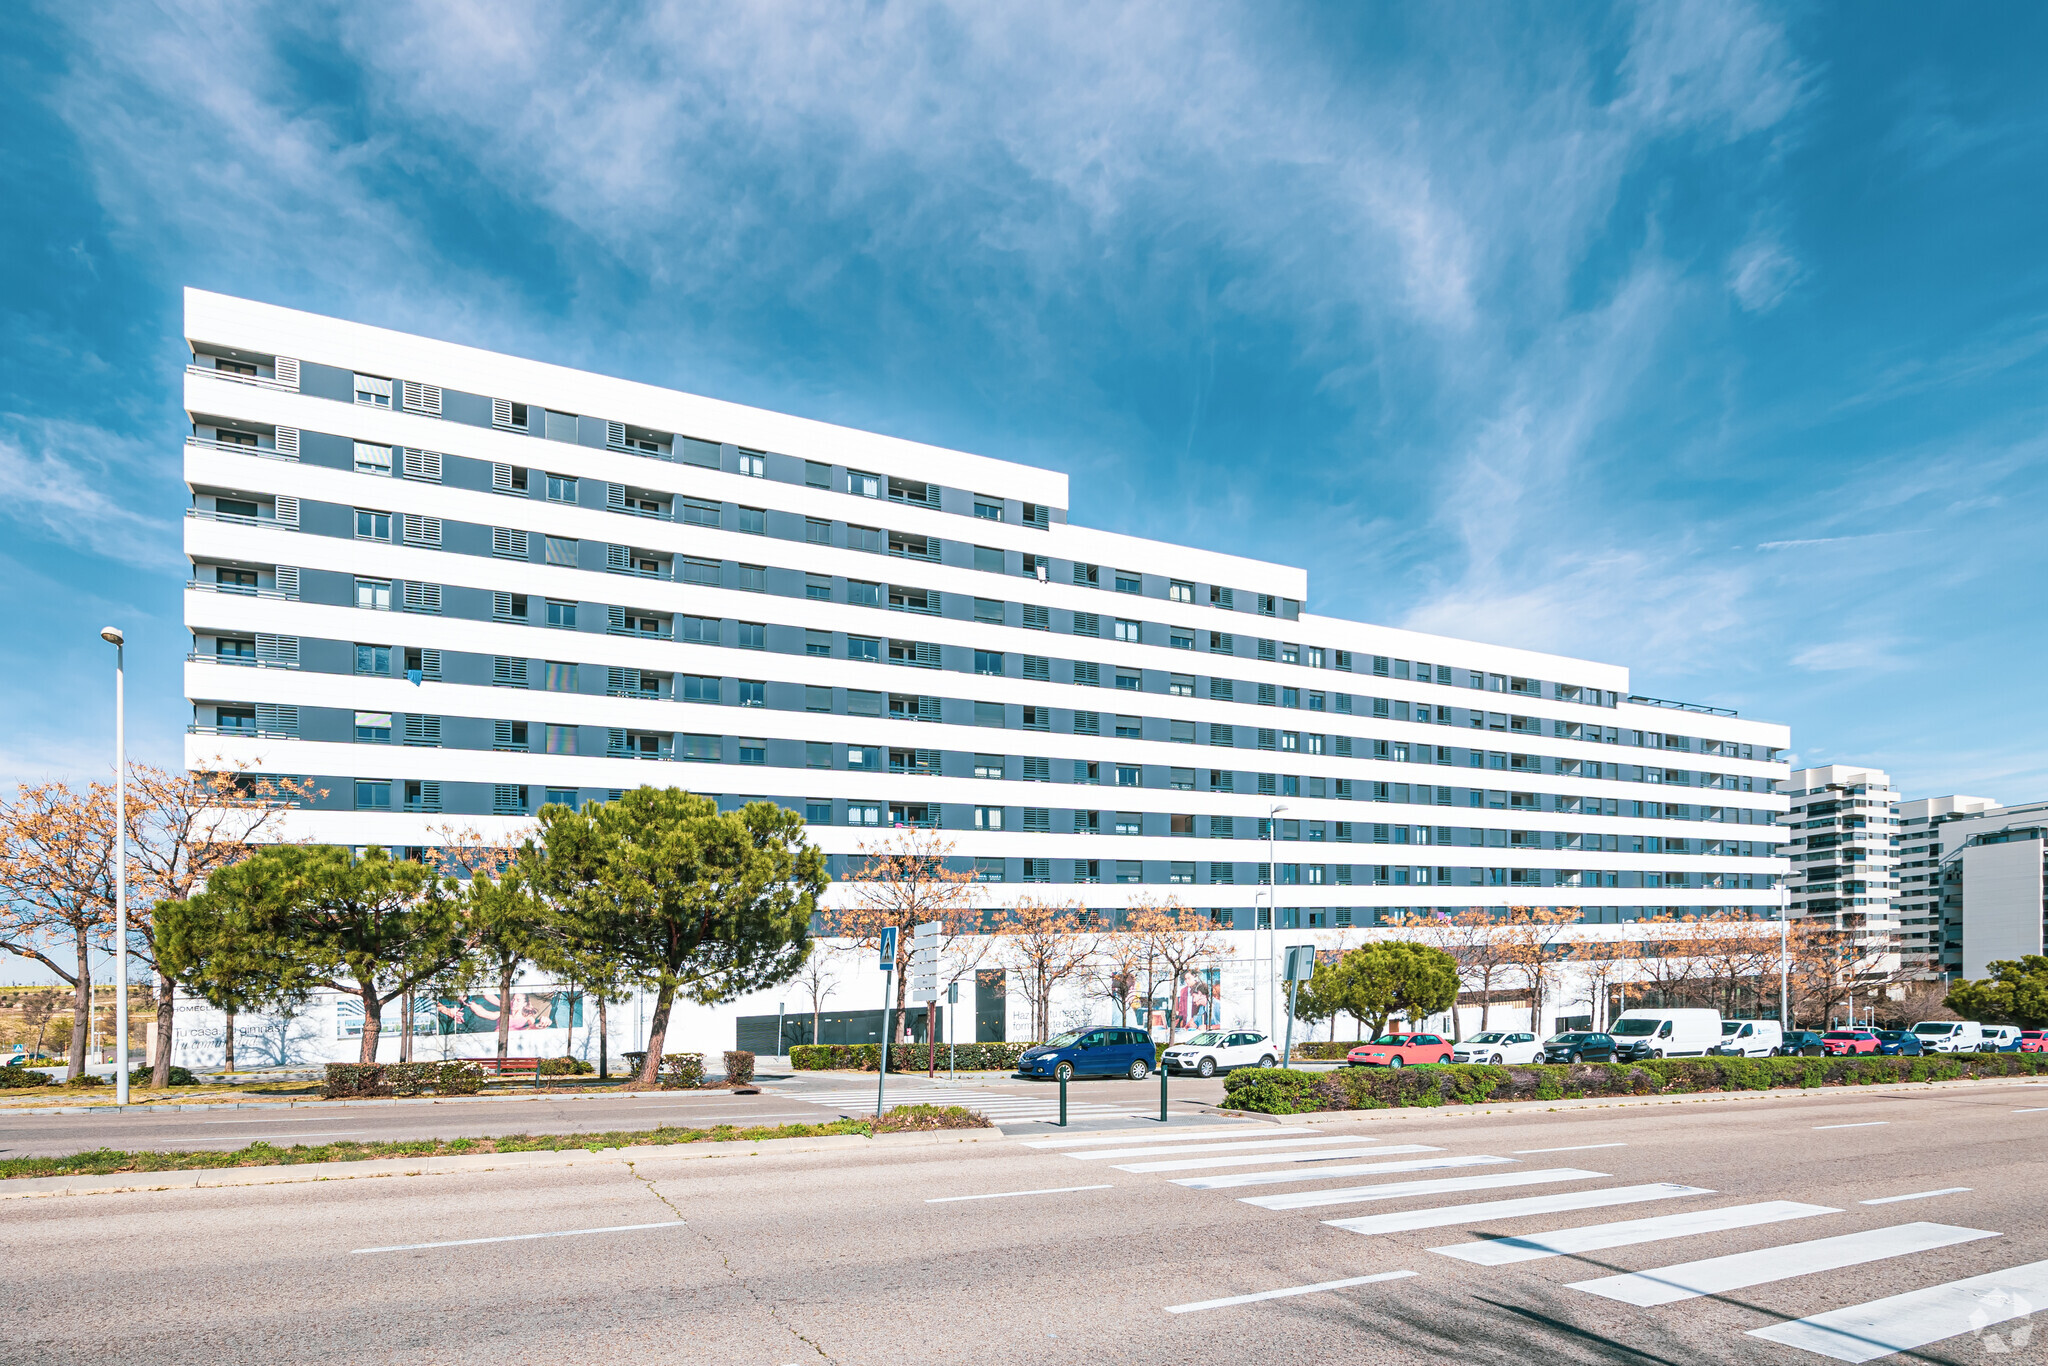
x=1840 y=1041
x=1400 y=1050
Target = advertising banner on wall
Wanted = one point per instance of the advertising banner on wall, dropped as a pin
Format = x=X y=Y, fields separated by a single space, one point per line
x=476 y=1013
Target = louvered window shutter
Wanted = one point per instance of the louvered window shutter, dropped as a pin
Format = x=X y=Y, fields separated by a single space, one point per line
x=615 y=743
x=430 y=796
x=615 y=435
x=424 y=466
x=615 y=497
x=288 y=512
x=288 y=580
x=288 y=442
x=501 y=412
x=504 y=740
x=288 y=372
x=615 y=681
x=1087 y=624
x=1037 y=618
x=424 y=531
x=618 y=557
x=422 y=597
x=430 y=664
x=501 y=479
x=277 y=650
x=1037 y=770
x=422 y=730
x=420 y=398
x=283 y=720
x=508 y=671
x=618 y=618
x=509 y=543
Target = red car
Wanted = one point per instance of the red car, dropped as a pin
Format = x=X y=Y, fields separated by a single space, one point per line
x=1840 y=1041
x=2034 y=1041
x=1400 y=1050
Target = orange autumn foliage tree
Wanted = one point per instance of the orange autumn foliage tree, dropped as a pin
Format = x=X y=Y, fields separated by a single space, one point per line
x=901 y=881
x=57 y=887
x=1045 y=943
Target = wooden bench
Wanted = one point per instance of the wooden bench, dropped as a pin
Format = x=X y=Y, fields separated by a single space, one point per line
x=509 y=1067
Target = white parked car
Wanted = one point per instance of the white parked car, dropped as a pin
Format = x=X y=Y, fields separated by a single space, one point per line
x=1497 y=1047
x=1219 y=1050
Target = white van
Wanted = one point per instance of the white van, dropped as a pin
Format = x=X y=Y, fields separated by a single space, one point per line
x=2000 y=1039
x=1950 y=1036
x=1750 y=1038
x=1640 y=1034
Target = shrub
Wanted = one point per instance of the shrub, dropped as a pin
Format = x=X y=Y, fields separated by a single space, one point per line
x=682 y=1071
x=1327 y=1051
x=913 y=1118
x=85 y=1079
x=14 y=1077
x=905 y=1057
x=1372 y=1088
x=349 y=1080
x=180 y=1076
x=565 y=1066
x=739 y=1067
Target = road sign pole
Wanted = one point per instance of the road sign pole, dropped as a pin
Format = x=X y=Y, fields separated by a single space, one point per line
x=1293 y=994
x=888 y=963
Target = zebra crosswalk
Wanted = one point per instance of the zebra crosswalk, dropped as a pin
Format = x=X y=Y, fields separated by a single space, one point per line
x=1000 y=1106
x=1311 y=1166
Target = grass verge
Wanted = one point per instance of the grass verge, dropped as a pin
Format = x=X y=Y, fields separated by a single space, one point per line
x=109 y=1161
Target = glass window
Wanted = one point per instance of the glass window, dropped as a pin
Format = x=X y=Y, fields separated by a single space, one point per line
x=1128 y=583
x=373 y=526
x=753 y=693
x=861 y=593
x=373 y=727
x=696 y=689
x=754 y=520
x=988 y=662
x=1180 y=592
x=753 y=636
x=562 y=614
x=372 y=459
x=372 y=795
x=1127 y=630
x=561 y=488
x=862 y=647
x=374 y=594
x=817 y=532
x=373 y=659
x=989 y=509
x=753 y=465
x=753 y=578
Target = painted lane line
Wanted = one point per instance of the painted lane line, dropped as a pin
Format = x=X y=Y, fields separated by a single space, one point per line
x=518 y=1237
x=1866 y=1124
x=1397 y=1190
x=1598 y=1237
x=1289 y=1291
x=1916 y=1195
x=2032 y=1110
x=265 y=1138
x=1008 y=1195
x=1494 y=1210
x=1739 y=1271
x=1901 y=1323
x=1575 y=1148
x=1300 y=1175
x=1107 y=1154
x=1196 y=1164
x=1185 y=1136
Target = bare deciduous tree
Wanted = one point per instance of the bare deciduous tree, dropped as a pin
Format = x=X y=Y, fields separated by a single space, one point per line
x=1045 y=943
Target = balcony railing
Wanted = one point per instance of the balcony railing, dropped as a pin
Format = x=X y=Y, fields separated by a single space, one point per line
x=240 y=661
x=238 y=589
x=656 y=514
x=258 y=380
x=1699 y=707
x=628 y=752
x=209 y=515
x=665 y=575
x=660 y=633
x=237 y=448
x=242 y=732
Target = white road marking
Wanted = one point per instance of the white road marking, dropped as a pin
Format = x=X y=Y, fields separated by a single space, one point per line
x=519 y=1237
x=1901 y=1323
x=1290 y=1290
x=1866 y=1124
x=1298 y=1175
x=1490 y=1211
x=1738 y=1271
x=1195 y=1164
x=262 y=1138
x=1395 y=1190
x=2032 y=1110
x=1575 y=1148
x=1178 y=1136
x=278 y=1119
x=1916 y=1195
x=1149 y=1151
x=1598 y=1237
x=1006 y=1195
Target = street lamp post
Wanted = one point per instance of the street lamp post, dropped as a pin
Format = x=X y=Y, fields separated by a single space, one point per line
x=1784 y=959
x=1272 y=921
x=112 y=635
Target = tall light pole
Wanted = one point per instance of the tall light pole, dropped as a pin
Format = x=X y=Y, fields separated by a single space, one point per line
x=112 y=635
x=1272 y=921
x=1784 y=958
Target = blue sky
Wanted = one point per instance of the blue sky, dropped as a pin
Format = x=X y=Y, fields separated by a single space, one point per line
x=1705 y=339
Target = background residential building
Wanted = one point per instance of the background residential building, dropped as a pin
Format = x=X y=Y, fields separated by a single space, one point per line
x=1840 y=827
x=1992 y=899
x=1918 y=873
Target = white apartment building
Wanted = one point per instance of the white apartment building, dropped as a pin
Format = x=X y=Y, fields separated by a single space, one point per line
x=1840 y=843
x=1994 y=896
x=449 y=586
x=1918 y=871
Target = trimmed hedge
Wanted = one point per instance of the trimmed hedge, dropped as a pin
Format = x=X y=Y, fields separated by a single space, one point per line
x=681 y=1071
x=1278 y=1091
x=565 y=1066
x=15 y=1078
x=904 y=1057
x=347 y=1080
x=739 y=1067
x=179 y=1076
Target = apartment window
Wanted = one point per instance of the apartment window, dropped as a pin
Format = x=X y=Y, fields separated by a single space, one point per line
x=1178 y=591
x=373 y=392
x=988 y=818
x=373 y=795
x=818 y=643
x=562 y=550
x=1130 y=728
x=988 y=662
x=1087 y=575
x=753 y=635
x=1180 y=872
x=754 y=520
x=1130 y=682
x=753 y=578
x=559 y=796
x=1178 y=638
x=988 y=766
x=699 y=689
x=1127 y=631
x=1181 y=825
x=817 y=698
x=863 y=485
x=374 y=594
x=1037 y=668
x=753 y=751
x=558 y=676
x=561 y=615
x=1130 y=823
x=1129 y=775
x=561 y=488
x=1128 y=583
x=754 y=465
x=817 y=476
x=817 y=588
x=988 y=558
x=370 y=459
x=1221 y=780
x=702 y=748
x=1130 y=870
x=373 y=727
x=372 y=526
x=698 y=630
x=989 y=714
x=1087 y=773
x=864 y=648
x=988 y=509
x=863 y=757
x=373 y=659
x=988 y=610
x=866 y=538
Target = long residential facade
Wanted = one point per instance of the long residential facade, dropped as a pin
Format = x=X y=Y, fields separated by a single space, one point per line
x=448 y=586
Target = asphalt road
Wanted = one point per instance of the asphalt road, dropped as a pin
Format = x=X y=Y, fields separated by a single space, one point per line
x=803 y=1099
x=1754 y=1213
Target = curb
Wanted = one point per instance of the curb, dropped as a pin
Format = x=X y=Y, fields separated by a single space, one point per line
x=1635 y=1102
x=522 y=1096
x=220 y=1177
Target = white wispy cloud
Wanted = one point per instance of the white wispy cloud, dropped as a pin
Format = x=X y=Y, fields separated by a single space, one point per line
x=75 y=484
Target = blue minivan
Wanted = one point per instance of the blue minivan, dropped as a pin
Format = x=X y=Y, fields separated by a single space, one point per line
x=1101 y=1051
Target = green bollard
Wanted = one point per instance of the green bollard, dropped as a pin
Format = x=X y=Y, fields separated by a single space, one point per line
x=1063 y=1102
x=1162 y=1095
